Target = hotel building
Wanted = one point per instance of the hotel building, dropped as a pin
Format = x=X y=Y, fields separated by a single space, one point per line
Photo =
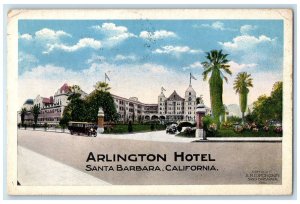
x=171 y=108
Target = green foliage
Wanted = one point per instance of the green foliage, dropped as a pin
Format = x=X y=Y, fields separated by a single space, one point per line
x=217 y=62
x=23 y=113
x=241 y=86
x=102 y=99
x=152 y=127
x=123 y=128
x=35 y=112
x=45 y=126
x=268 y=107
x=234 y=119
x=86 y=109
x=102 y=86
x=209 y=125
x=130 y=129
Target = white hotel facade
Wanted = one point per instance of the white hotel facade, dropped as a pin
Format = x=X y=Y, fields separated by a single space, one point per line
x=171 y=108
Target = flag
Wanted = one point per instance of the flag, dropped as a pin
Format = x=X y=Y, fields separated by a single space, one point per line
x=192 y=77
x=163 y=89
x=106 y=77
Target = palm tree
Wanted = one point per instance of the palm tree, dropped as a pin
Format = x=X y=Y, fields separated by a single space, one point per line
x=215 y=64
x=35 y=112
x=23 y=113
x=241 y=86
x=102 y=86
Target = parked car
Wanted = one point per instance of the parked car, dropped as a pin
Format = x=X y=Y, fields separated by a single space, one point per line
x=172 y=129
x=86 y=128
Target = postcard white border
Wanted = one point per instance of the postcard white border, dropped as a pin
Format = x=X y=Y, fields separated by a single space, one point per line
x=12 y=78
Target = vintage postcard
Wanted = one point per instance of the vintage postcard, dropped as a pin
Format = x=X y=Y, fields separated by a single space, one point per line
x=150 y=102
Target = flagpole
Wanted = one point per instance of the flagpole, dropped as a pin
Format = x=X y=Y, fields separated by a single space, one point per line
x=190 y=78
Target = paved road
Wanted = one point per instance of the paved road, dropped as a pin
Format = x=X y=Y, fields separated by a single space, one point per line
x=233 y=159
x=50 y=172
x=160 y=136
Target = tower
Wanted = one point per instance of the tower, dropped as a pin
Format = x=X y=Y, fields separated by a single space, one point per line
x=190 y=104
x=162 y=102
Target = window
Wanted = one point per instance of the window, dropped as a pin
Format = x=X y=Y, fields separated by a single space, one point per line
x=190 y=93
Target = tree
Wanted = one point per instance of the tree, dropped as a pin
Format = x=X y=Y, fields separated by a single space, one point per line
x=76 y=108
x=215 y=64
x=101 y=98
x=276 y=97
x=241 y=86
x=35 y=112
x=23 y=113
x=267 y=108
x=102 y=86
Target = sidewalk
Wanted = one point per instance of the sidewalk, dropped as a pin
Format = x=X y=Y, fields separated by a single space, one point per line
x=37 y=170
x=240 y=139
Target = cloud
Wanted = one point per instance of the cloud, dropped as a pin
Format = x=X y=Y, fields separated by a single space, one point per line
x=26 y=61
x=96 y=59
x=113 y=34
x=217 y=25
x=160 y=34
x=25 y=36
x=195 y=65
x=246 y=28
x=133 y=80
x=170 y=49
x=236 y=67
x=48 y=34
x=123 y=58
x=24 y=57
x=82 y=43
x=246 y=42
x=110 y=27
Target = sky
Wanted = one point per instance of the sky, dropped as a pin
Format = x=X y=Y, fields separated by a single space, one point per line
x=141 y=56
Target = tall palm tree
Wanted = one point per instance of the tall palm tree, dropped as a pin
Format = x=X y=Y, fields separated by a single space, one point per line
x=35 y=112
x=241 y=86
x=216 y=64
x=102 y=86
x=23 y=113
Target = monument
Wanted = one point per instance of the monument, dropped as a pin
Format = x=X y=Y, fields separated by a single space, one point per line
x=100 y=123
x=200 y=113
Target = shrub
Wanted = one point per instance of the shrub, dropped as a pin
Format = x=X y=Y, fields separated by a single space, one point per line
x=209 y=126
x=226 y=124
x=238 y=128
x=45 y=126
x=130 y=127
x=152 y=127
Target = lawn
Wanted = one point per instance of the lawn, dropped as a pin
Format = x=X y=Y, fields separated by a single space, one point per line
x=231 y=133
x=123 y=128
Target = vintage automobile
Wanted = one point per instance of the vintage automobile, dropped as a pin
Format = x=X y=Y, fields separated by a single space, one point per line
x=86 y=128
x=172 y=129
